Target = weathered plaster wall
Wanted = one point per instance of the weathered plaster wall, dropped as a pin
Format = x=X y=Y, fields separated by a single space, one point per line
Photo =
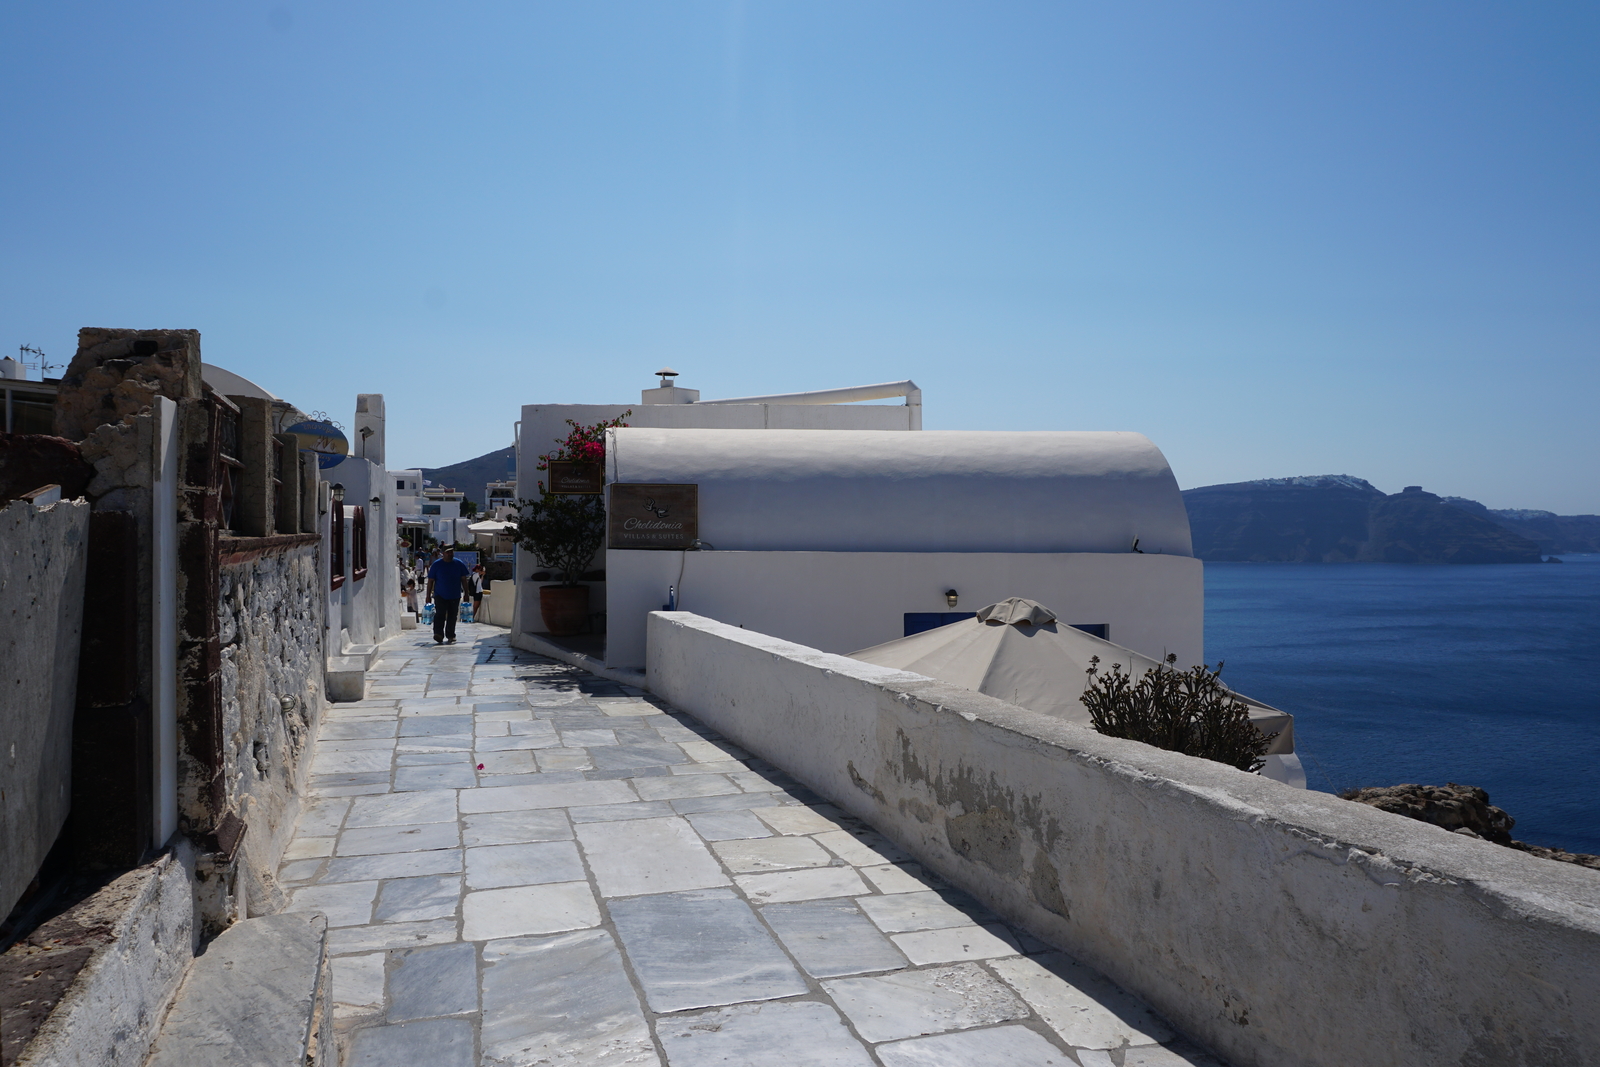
x=1284 y=928
x=42 y=555
x=270 y=610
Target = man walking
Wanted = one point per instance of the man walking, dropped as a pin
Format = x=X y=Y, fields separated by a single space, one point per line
x=445 y=580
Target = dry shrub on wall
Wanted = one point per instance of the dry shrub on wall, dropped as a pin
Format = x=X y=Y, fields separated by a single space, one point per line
x=1181 y=711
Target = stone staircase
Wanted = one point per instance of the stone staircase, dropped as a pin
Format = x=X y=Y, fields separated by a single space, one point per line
x=259 y=996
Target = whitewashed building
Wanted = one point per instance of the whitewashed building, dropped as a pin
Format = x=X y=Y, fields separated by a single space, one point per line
x=360 y=528
x=842 y=539
x=820 y=528
x=668 y=406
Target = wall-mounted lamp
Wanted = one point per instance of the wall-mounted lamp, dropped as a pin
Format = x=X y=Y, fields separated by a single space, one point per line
x=365 y=432
x=337 y=489
x=374 y=501
x=950 y=597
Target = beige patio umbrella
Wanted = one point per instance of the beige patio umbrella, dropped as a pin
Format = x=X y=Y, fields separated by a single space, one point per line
x=1016 y=651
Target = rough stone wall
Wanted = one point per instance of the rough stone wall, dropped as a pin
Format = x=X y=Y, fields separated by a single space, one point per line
x=120 y=455
x=117 y=373
x=42 y=555
x=270 y=611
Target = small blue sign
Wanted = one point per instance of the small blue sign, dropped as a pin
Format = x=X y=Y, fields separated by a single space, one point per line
x=323 y=438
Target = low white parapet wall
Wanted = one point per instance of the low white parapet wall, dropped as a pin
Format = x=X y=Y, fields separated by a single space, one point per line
x=1281 y=927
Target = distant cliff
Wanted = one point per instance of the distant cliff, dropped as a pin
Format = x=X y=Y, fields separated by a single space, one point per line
x=1340 y=519
x=1555 y=534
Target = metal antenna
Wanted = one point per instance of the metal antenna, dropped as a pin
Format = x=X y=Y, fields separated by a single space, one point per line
x=27 y=350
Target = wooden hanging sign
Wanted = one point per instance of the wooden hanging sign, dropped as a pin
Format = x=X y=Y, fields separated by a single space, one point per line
x=570 y=477
x=650 y=515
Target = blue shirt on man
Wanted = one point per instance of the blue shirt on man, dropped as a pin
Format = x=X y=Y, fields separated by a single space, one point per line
x=447 y=576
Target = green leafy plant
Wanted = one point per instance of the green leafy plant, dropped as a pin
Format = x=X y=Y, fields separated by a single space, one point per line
x=1182 y=711
x=565 y=531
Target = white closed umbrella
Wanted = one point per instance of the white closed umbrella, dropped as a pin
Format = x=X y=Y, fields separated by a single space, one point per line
x=1017 y=652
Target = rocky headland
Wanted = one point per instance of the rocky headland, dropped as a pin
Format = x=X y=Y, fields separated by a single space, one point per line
x=1337 y=518
x=1461 y=809
x=1555 y=535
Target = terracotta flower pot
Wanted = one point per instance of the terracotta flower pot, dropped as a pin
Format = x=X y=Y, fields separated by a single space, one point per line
x=565 y=608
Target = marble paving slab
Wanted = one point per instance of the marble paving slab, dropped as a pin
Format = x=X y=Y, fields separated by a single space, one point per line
x=702 y=948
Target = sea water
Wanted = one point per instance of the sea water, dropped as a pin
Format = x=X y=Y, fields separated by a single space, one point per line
x=1484 y=675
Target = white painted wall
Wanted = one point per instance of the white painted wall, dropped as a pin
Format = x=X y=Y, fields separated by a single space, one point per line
x=829 y=538
x=845 y=601
x=1283 y=928
x=408 y=501
x=369 y=417
x=934 y=491
x=544 y=426
x=366 y=611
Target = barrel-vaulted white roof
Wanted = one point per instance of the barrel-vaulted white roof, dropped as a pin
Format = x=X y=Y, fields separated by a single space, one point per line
x=929 y=491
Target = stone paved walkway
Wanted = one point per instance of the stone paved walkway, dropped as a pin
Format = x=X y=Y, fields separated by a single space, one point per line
x=523 y=864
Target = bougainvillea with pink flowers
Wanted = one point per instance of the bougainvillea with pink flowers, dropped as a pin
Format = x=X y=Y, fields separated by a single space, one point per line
x=583 y=444
x=565 y=531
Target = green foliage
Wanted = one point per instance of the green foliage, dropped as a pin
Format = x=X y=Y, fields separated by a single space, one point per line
x=565 y=531
x=1182 y=711
x=469 y=509
x=583 y=444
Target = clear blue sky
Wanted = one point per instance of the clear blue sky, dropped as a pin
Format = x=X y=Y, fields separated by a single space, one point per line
x=1279 y=238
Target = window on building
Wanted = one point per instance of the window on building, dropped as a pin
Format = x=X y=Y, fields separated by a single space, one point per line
x=358 y=544
x=400 y=485
x=917 y=622
x=229 y=467
x=1102 y=630
x=29 y=412
x=338 y=547
x=430 y=509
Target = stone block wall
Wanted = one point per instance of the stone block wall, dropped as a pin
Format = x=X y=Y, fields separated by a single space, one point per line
x=270 y=607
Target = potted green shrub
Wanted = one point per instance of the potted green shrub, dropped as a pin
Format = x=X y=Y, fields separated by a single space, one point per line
x=563 y=531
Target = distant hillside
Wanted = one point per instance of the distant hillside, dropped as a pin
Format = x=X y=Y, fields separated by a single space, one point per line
x=1556 y=535
x=1340 y=519
x=471 y=475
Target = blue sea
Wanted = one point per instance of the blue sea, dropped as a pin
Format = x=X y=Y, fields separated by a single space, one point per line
x=1482 y=675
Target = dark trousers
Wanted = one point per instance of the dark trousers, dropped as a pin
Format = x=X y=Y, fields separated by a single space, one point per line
x=444 y=618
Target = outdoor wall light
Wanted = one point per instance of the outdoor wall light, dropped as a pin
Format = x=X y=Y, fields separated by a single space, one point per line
x=337 y=490
x=950 y=597
x=374 y=501
x=365 y=432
